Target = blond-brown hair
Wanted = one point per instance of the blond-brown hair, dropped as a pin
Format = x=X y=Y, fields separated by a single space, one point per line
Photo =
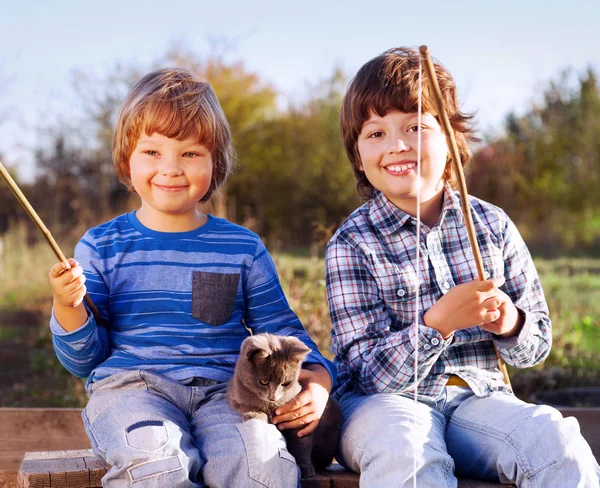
x=178 y=104
x=389 y=82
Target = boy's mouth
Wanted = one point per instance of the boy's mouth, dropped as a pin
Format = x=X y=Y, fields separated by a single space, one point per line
x=400 y=168
x=170 y=187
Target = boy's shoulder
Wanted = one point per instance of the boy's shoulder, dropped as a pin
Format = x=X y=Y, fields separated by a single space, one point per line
x=116 y=226
x=224 y=226
x=486 y=211
x=357 y=227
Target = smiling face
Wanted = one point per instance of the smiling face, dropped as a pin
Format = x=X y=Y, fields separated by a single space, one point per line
x=388 y=156
x=171 y=177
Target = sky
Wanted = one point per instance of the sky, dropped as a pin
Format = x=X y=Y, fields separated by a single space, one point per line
x=501 y=53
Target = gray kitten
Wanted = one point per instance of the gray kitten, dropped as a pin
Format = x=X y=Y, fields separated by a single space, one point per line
x=266 y=377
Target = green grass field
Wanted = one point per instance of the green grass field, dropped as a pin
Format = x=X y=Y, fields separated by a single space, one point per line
x=31 y=376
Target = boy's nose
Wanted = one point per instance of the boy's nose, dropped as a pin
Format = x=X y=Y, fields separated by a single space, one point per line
x=170 y=167
x=397 y=145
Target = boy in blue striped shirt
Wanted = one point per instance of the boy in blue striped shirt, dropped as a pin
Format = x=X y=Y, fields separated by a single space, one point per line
x=465 y=419
x=177 y=292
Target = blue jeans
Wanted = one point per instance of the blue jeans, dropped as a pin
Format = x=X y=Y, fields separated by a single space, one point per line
x=158 y=433
x=499 y=438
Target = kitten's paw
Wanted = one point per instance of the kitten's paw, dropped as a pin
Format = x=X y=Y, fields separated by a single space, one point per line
x=307 y=471
x=255 y=415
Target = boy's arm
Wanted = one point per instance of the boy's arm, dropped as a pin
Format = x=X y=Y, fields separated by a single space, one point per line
x=362 y=338
x=531 y=342
x=83 y=348
x=268 y=309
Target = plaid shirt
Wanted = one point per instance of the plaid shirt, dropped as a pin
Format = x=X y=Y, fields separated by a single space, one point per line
x=372 y=294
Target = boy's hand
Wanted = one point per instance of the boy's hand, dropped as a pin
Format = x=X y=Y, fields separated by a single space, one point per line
x=306 y=408
x=510 y=321
x=67 y=284
x=69 y=290
x=467 y=305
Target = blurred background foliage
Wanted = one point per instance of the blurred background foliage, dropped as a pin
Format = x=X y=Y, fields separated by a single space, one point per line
x=294 y=186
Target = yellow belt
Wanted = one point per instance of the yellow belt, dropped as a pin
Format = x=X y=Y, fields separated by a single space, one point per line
x=454 y=380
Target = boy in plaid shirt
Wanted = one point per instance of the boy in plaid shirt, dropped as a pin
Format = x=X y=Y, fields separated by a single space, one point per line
x=466 y=420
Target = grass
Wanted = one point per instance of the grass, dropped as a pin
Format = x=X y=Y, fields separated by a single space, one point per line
x=31 y=375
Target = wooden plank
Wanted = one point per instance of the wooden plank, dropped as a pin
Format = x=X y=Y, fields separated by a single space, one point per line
x=45 y=455
x=317 y=481
x=8 y=479
x=61 y=469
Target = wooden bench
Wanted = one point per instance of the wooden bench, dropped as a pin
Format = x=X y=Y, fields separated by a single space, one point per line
x=33 y=443
x=81 y=469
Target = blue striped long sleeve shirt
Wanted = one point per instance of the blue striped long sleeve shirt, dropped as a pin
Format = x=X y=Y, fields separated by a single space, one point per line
x=176 y=304
x=371 y=274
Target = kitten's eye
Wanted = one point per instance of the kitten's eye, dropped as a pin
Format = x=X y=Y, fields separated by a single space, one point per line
x=285 y=385
x=264 y=382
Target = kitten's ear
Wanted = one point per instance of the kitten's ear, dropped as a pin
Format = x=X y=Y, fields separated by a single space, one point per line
x=296 y=349
x=255 y=347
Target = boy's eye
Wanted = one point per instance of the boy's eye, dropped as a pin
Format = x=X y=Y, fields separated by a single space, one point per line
x=375 y=135
x=151 y=152
x=190 y=154
x=263 y=382
x=415 y=128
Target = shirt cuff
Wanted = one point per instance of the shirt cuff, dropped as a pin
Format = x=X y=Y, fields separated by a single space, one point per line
x=518 y=340
x=314 y=358
x=429 y=340
x=75 y=335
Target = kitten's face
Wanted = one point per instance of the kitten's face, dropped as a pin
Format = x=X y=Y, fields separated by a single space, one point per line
x=271 y=366
x=275 y=379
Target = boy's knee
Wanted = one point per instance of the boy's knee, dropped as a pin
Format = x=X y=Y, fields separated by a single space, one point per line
x=154 y=454
x=165 y=471
x=259 y=459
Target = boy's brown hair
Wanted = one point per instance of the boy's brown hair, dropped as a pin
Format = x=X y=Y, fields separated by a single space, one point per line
x=389 y=82
x=178 y=104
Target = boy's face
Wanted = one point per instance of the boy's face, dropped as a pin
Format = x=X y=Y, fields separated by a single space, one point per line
x=170 y=176
x=388 y=152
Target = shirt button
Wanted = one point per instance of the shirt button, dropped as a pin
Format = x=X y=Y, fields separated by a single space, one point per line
x=435 y=341
x=446 y=354
x=426 y=347
x=401 y=292
x=446 y=285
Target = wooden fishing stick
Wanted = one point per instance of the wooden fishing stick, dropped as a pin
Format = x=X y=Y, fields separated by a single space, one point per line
x=462 y=185
x=36 y=218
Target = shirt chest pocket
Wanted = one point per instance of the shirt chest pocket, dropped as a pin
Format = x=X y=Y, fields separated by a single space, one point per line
x=213 y=296
x=398 y=289
x=493 y=262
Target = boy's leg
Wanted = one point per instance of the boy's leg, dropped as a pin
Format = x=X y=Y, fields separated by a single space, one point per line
x=135 y=427
x=382 y=434
x=249 y=454
x=502 y=437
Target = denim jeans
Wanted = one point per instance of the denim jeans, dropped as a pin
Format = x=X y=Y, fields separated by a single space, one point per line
x=387 y=437
x=158 y=433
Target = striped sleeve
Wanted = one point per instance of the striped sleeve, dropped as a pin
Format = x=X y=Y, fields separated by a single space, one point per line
x=81 y=350
x=532 y=345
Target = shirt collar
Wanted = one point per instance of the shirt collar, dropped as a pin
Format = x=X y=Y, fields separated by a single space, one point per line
x=388 y=218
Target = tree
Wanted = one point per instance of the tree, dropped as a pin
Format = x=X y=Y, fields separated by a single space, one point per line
x=545 y=170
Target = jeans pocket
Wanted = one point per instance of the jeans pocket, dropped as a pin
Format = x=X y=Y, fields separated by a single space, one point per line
x=147 y=435
x=213 y=296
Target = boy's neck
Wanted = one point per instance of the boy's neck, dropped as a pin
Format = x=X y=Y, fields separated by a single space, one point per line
x=171 y=222
x=431 y=208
